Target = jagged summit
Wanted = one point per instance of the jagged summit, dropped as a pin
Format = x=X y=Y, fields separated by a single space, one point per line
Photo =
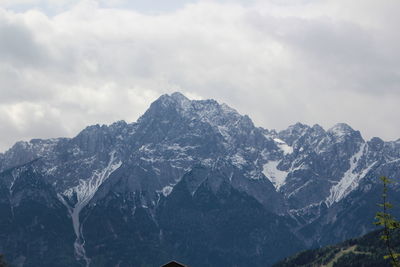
x=208 y=109
x=341 y=129
x=169 y=110
x=178 y=95
x=177 y=99
x=317 y=127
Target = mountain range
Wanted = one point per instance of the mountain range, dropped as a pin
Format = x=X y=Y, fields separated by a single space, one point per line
x=192 y=181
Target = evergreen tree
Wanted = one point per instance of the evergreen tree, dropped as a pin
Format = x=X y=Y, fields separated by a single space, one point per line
x=388 y=222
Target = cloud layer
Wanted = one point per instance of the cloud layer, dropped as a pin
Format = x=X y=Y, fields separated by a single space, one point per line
x=67 y=64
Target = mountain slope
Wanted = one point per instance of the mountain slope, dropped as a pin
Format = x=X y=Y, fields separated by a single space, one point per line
x=35 y=230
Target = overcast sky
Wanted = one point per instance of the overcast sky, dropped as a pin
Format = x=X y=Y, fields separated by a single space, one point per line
x=68 y=64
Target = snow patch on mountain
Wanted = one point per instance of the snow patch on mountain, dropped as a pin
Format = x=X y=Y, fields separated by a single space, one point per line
x=14 y=177
x=283 y=146
x=297 y=190
x=87 y=188
x=84 y=193
x=276 y=176
x=167 y=190
x=224 y=131
x=350 y=179
x=238 y=160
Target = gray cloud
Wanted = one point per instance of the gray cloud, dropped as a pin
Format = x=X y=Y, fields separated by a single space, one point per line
x=276 y=61
x=17 y=44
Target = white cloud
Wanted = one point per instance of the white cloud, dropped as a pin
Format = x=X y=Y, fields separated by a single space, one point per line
x=312 y=61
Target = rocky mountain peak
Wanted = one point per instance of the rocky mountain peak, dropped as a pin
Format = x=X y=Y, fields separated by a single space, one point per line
x=341 y=129
x=176 y=100
x=205 y=110
x=293 y=132
x=318 y=128
x=169 y=111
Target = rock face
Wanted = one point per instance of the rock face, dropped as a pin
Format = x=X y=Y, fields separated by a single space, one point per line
x=192 y=181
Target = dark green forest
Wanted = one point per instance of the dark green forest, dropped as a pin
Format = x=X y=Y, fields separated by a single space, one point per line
x=368 y=251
